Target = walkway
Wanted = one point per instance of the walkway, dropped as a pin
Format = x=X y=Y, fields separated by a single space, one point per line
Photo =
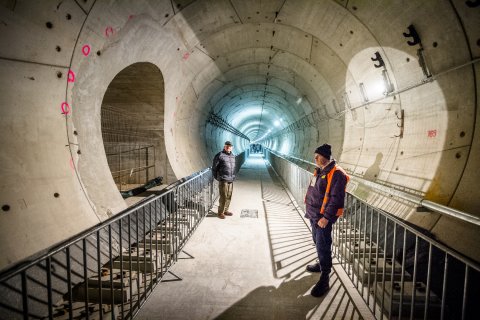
x=247 y=267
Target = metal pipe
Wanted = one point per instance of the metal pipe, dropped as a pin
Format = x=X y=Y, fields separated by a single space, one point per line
x=436 y=207
x=464 y=216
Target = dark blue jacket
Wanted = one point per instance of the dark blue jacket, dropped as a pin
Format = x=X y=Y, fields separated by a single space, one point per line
x=316 y=192
x=223 y=167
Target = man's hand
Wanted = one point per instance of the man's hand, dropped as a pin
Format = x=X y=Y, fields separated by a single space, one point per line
x=322 y=223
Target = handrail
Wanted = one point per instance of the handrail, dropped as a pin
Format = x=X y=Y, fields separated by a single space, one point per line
x=422 y=202
x=134 y=249
x=32 y=260
x=398 y=270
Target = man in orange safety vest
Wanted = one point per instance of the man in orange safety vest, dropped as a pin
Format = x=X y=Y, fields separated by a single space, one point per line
x=324 y=204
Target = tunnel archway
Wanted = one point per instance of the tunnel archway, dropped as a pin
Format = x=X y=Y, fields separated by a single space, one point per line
x=132 y=119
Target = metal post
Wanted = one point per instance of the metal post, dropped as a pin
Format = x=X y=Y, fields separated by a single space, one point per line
x=85 y=277
x=99 y=274
x=25 y=295
x=49 y=286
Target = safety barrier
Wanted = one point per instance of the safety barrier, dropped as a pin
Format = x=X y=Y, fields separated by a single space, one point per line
x=401 y=272
x=110 y=269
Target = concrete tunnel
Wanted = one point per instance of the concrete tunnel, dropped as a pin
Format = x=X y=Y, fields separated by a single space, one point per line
x=392 y=86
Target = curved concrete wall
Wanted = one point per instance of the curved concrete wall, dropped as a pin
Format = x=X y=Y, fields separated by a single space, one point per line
x=252 y=63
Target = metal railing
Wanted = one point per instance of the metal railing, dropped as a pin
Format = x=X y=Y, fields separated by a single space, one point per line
x=109 y=270
x=134 y=166
x=419 y=201
x=401 y=272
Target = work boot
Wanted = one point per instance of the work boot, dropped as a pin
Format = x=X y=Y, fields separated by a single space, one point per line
x=228 y=213
x=322 y=286
x=313 y=267
x=221 y=215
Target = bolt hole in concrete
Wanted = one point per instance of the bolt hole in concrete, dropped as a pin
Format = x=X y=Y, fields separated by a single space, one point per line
x=5 y=207
x=58 y=48
x=462 y=134
x=49 y=25
x=56 y=194
x=249 y=213
x=69 y=16
x=59 y=74
x=458 y=155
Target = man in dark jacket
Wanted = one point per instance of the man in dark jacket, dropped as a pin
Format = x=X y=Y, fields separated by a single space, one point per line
x=223 y=169
x=324 y=203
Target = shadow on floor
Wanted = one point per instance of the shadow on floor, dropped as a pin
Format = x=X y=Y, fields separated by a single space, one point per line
x=291 y=300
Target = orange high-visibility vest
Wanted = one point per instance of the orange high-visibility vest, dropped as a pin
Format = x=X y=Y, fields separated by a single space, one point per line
x=329 y=185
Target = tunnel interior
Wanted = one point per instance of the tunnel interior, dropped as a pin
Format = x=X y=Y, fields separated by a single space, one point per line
x=391 y=86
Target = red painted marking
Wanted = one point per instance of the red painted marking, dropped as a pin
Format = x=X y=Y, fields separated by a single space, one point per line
x=131 y=16
x=71 y=165
x=432 y=133
x=86 y=50
x=65 y=108
x=71 y=76
x=109 y=31
x=186 y=55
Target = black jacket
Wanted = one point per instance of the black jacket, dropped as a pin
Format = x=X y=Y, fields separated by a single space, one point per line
x=316 y=193
x=223 y=167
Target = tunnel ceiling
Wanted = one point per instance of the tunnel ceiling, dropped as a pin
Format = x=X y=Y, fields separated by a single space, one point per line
x=274 y=62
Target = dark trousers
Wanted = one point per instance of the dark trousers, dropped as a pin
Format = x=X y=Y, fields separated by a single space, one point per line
x=322 y=237
x=225 y=189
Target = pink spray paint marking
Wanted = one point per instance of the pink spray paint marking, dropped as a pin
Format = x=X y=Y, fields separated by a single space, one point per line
x=131 y=16
x=71 y=76
x=109 y=31
x=186 y=55
x=86 y=50
x=432 y=133
x=65 y=108
x=71 y=165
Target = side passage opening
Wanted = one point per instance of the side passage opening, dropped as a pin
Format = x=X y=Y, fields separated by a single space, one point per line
x=132 y=117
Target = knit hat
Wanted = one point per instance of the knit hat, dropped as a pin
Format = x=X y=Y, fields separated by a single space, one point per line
x=324 y=150
x=228 y=143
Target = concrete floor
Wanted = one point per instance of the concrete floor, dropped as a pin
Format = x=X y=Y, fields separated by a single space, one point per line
x=251 y=268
